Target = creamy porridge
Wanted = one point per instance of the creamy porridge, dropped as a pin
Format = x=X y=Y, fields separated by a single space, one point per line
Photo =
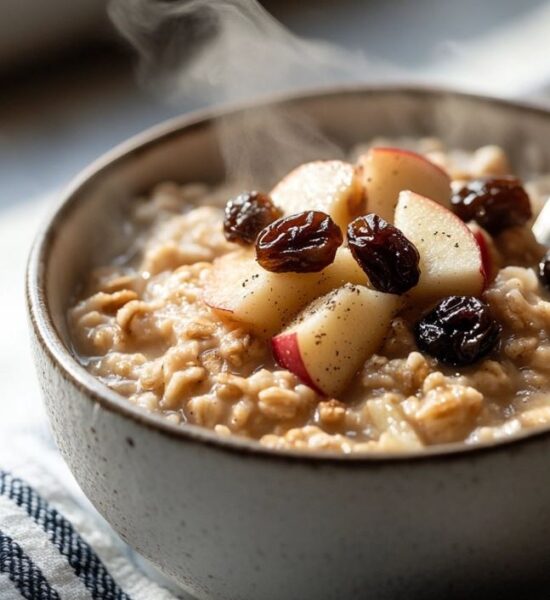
x=187 y=324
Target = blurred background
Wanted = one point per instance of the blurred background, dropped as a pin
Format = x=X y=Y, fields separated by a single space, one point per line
x=69 y=92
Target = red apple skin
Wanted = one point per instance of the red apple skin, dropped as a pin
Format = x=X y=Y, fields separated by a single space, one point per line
x=490 y=262
x=486 y=262
x=414 y=154
x=287 y=354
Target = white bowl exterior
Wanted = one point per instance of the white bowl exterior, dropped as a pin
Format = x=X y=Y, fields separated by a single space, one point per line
x=233 y=526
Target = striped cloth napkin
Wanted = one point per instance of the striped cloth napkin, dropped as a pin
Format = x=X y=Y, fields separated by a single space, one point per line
x=53 y=546
x=41 y=554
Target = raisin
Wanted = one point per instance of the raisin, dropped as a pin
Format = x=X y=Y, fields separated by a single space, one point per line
x=302 y=243
x=495 y=204
x=544 y=271
x=246 y=215
x=388 y=258
x=458 y=331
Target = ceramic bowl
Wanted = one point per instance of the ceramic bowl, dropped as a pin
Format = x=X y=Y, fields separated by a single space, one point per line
x=228 y=519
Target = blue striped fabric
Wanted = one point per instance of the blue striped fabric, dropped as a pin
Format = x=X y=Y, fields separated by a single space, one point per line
x=27 y=578
x=81 y=558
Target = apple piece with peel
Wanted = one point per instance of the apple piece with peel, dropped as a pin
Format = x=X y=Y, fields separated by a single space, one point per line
x=263 y=302
x=450 y=257
x=332 y=337
x=330 y=186
x=387 y=171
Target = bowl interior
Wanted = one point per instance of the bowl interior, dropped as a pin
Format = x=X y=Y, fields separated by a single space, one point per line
x=87 y=229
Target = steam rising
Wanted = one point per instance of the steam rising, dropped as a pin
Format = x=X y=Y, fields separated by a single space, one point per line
x=224 y=50
x=205 y=52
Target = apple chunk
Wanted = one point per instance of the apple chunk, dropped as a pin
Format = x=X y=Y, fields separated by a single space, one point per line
x=330 y=186
x=388 y=171
x=331 y=338
x=239 y=289
x=451 y=261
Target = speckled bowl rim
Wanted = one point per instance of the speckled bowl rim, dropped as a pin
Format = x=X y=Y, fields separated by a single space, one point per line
x=51 y=343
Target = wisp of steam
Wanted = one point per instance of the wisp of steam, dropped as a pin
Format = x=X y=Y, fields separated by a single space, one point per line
x=208 y=52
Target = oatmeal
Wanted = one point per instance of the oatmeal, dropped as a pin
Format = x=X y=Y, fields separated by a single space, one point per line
x=431 y=326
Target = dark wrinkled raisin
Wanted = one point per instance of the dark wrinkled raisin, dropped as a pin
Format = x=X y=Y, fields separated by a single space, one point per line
x=458 y=331
x=495 y=204
x=388 y=258
x=302 y=243
x=246 y=215
x=544 y=270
